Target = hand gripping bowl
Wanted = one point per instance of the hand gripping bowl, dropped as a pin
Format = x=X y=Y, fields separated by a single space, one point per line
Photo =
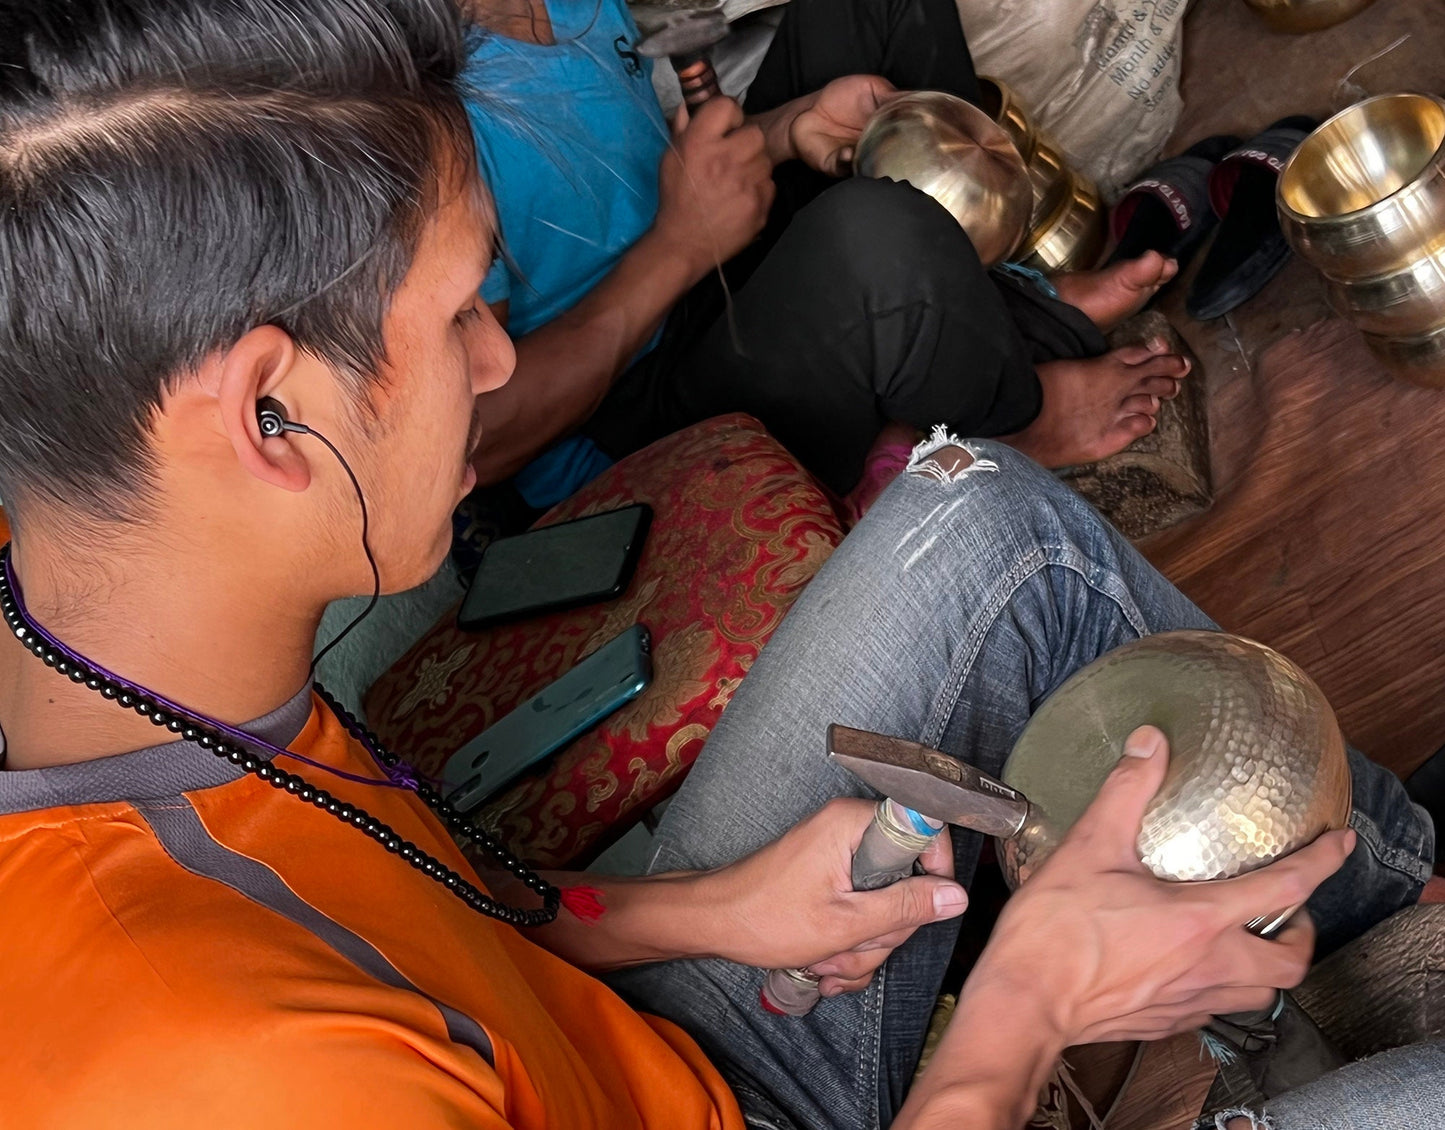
x=957 y=154
x=1257 y=764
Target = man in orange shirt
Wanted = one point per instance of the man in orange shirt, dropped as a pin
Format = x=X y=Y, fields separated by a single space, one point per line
x=240 y=249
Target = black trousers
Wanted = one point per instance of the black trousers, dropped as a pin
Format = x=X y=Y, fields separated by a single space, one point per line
x=863 y=301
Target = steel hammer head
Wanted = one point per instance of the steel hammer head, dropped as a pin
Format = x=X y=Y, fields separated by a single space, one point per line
x=678 y=31
x=929 y=781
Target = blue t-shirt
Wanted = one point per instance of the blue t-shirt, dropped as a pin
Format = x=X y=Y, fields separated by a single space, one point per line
x=569 y=138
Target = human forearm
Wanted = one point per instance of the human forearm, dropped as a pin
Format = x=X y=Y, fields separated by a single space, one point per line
x=790 y=903
x=565 y=368
x=657 y=918
x=986 y=1072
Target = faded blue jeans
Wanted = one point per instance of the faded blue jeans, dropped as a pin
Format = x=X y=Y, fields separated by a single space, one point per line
x=1403 y=1089
x=952 y=610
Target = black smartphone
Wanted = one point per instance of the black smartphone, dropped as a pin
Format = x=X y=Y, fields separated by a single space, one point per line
x=562 y=566
x=613 y=675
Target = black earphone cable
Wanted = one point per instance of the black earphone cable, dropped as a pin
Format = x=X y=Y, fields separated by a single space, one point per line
x=365 y=545
x=271 y=418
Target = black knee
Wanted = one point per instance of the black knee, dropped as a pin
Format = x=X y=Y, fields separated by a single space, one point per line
x=889 y=238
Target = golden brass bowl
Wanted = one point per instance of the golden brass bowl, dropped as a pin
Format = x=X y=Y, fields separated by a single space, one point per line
x=1051 y=180
x=1419 y=359
x=1365 y=193
x=1073 y=237
x=1297 y=16
x=953 y=151
x=1407 y=302
x=1000 y=104
x=1257 y=764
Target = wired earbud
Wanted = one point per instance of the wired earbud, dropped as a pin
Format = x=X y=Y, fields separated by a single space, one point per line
x=271 y=419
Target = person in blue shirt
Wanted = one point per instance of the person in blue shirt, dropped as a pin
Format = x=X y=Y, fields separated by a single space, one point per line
x=656 y=274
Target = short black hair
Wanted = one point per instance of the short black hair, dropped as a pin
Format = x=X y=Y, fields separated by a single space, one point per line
x=174 y=173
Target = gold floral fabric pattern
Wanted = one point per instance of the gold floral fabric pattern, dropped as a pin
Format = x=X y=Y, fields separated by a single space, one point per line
x=738 y=529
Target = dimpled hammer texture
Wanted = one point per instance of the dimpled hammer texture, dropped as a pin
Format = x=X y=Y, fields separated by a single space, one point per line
x=1257 y=762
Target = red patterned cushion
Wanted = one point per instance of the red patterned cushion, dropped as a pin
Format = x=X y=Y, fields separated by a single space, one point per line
x=738 y=529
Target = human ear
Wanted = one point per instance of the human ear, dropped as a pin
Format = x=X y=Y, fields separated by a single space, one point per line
x=257 y=366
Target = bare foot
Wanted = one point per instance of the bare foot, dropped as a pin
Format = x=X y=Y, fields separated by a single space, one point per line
x=1112 y=294
x=884 y=463
x=1097 y=407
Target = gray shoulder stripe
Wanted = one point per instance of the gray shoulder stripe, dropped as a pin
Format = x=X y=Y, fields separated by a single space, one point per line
x=185 y=839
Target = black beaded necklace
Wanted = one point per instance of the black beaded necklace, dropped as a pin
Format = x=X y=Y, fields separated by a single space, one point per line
x=211 y=735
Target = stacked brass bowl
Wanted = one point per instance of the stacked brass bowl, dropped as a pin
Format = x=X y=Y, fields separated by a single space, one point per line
x=1067 y=222
x=1000 y=177
x=1363 y=200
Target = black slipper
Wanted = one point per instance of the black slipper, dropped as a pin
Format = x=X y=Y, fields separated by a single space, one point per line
x=1167 y=208
x=1249 y=249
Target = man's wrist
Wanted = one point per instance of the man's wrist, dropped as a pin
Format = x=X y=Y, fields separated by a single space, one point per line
x=995 y=1055
x=676 y=264
x=777 y=126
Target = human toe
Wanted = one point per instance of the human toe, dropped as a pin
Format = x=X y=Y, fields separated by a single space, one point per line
x=1165 y=388
x=1140 y=404
x=1173 y=365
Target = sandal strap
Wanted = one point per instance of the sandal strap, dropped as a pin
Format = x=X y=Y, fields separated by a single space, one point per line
x=1180 y=184
x=1269 y=150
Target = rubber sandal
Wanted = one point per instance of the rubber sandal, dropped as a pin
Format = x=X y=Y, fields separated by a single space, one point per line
x=1167 y=209
x=1249 y=249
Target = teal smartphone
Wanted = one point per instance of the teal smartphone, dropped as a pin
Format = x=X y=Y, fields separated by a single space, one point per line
x=609 y=678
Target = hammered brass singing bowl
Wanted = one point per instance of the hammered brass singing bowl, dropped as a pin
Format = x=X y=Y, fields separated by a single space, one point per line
x=1408 y=302
x=953 y=151
x=1257 y=764
x=1365 y=193
x=1296 y=16
x=1073 y=237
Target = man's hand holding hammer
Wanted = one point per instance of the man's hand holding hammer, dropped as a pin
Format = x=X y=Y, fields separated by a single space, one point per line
x=1092 y=948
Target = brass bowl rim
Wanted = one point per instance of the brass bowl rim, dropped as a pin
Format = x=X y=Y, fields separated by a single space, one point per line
x=1434 y=337
x=940 y=97
x=1080 y=203
x=1435 y=250
x=1315 y=223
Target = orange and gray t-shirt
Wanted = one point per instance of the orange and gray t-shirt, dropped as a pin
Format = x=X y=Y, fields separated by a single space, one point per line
x=185 y=947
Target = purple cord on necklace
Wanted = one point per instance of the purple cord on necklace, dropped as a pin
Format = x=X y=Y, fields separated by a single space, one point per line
x=399 y=776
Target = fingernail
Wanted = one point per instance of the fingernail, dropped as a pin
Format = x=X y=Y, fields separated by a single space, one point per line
x=1158 y=344
x=949 y=900
x=1144 y=743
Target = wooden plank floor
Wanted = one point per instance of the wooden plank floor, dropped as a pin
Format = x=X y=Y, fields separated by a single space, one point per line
x=1329 y=542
